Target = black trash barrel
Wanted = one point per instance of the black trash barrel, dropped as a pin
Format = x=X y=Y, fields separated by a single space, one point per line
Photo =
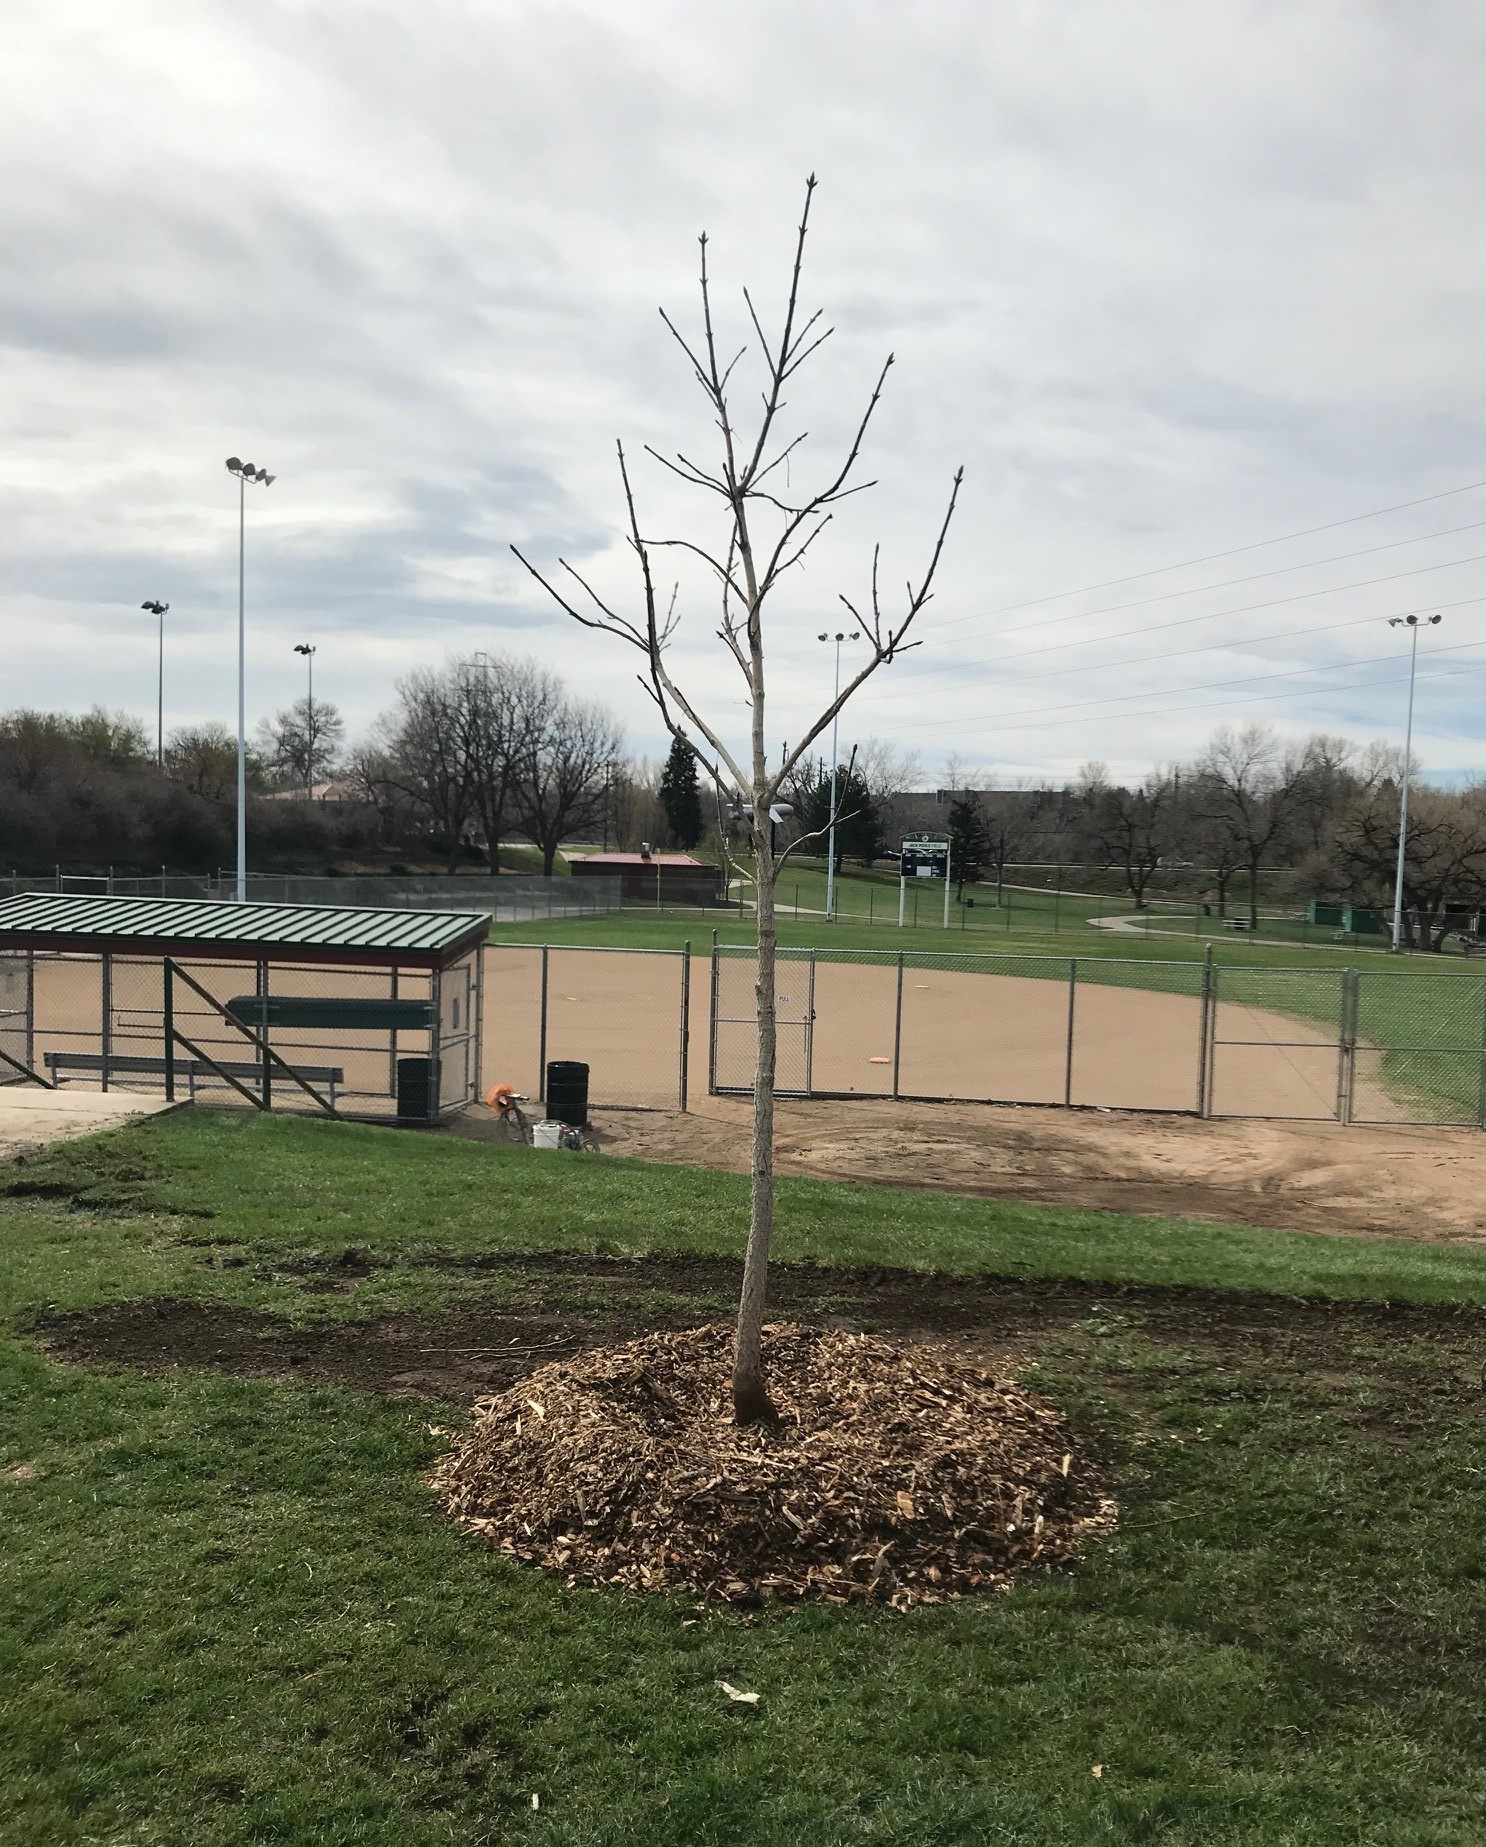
x=567 y=1092
x=417 y=1090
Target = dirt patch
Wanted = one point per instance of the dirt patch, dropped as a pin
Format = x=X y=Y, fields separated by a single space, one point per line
x=582 y=1301
x=1415 y=1183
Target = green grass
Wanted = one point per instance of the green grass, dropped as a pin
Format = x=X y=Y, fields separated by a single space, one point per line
x=228 y=1613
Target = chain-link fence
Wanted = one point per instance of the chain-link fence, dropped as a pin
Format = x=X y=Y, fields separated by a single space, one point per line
x=508 y=897
x=1097 y=1032
x=15 y=1019
x=625 y=1013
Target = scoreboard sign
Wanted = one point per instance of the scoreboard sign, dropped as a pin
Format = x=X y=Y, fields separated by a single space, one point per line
x=924 y=856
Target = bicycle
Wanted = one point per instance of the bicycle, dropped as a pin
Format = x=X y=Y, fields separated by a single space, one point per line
x=506 y=1102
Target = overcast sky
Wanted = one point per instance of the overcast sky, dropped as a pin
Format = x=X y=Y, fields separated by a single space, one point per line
x=1167 y=280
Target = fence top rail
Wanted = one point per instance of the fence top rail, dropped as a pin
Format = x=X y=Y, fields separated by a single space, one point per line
x=584 y=949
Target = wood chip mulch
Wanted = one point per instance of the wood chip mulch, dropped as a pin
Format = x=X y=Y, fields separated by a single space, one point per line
x=889 y=1478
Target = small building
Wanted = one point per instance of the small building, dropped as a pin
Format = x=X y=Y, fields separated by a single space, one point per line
x=332 y=1009
x=653 y=878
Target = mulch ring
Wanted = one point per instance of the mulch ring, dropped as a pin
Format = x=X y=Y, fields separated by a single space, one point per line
x=887 y=1479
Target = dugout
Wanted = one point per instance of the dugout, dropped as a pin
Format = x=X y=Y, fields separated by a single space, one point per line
x=322 y=1008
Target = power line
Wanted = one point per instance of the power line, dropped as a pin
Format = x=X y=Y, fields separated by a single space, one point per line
x=950 y=729
x=1203 y=686
x=1254 y=577
x=1112 y=583
x=1242 y=609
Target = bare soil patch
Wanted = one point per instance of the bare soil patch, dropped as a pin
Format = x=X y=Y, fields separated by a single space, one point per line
x=887 y=1478
x=1395 y=1182
x=556 y=1305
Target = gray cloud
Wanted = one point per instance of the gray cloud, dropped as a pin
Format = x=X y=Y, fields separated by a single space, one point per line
x=1165 y=282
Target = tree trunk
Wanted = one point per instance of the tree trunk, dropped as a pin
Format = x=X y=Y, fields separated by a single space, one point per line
x=549 y=857
x=1253 y=896
x=751 y=1401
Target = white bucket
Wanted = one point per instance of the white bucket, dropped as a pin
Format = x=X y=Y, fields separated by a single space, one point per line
x=546 y=1135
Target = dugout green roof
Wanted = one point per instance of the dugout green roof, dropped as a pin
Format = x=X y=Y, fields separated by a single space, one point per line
x=224 y=931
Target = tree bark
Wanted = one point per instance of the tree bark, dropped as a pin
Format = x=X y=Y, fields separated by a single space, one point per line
x=751 y=1401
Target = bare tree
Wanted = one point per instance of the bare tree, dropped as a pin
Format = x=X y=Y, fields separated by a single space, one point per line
x=1012 y=821
x=1444 y=856
x=562 y=785
x=303 y=742
x=429 y=757
x=767 y=529
x=1247 y=790
x=1133 y=829
x=203 y=759
x=508 y=707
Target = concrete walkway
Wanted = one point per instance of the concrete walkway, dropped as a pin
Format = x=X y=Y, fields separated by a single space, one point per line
x=30 y=1117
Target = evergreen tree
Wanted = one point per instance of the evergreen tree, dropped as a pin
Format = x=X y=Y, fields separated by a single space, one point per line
x=969 y=842
x=680 y=797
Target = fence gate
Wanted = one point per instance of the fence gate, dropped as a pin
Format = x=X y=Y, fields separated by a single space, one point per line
x=1419 y=1052
x=1280 y=1042
x=733 y=1056
x=15 y=1020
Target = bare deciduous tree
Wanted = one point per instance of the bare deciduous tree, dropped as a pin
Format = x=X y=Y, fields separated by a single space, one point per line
x=562 y=784
x=1247 y=789
x=767 y=529
x=303 y=742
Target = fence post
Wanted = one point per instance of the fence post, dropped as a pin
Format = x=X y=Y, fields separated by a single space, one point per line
x=168 y=1015
x=542 y=1034
x=1205 y=1036
x=1481 y=1085
x=262 y=986
x=1068 y=1059
x=31 y=1008
x=106 y=1022
x=685 y=1013
x=712 y=1020
x=1346 y=1077
x=898 y=1029
x=479 y=1021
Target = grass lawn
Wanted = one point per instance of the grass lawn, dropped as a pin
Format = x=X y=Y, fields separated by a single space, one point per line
x=230 y=1613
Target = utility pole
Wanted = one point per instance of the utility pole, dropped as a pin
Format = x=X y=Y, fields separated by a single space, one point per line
x=159 y=609
x=838 y=638
x=1412 y=623
x=245 y=472
x=307 y=649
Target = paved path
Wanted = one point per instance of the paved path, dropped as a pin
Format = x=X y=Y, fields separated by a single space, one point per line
x=31 y=1117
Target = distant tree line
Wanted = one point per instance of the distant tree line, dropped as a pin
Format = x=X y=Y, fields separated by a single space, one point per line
x=1326 y=810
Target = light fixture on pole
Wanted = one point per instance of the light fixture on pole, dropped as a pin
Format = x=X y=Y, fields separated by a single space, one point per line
x=1412 y=624
x=159 y=609
x=245 y=472
x=840 y=636
x=307 y=649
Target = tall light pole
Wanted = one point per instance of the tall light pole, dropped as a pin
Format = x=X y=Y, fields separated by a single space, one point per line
x=838 y=638
x=159 y=609
x=307 y=649
x=1412 y=624
x=245 y=472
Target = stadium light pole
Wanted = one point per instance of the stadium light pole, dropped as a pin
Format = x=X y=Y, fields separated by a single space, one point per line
x=838 y=638
x=159 y=609
x=307 y=649
x=245 y=472
x=1412 y=624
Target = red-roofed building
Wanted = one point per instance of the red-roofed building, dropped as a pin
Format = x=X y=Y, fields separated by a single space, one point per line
x=665 y=878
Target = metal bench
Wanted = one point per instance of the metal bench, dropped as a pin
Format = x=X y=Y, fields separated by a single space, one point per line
x=129 y=1065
